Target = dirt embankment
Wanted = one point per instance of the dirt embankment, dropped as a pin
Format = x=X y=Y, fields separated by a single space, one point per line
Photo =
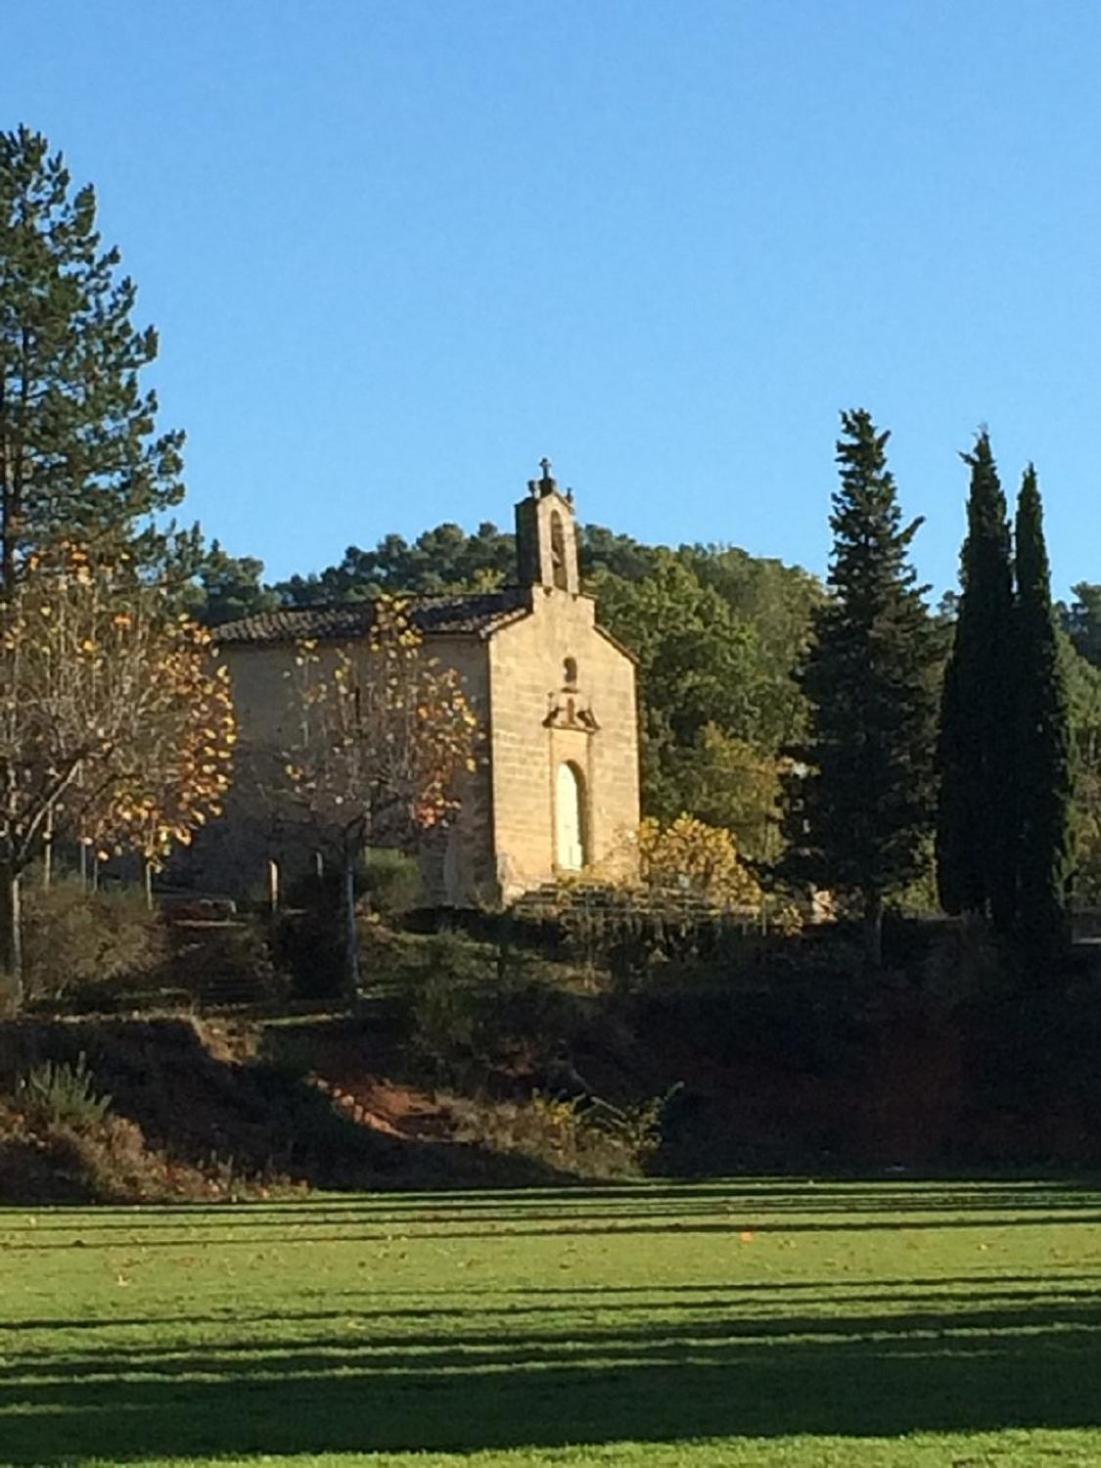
x=811 y=1079
x=195 y=1113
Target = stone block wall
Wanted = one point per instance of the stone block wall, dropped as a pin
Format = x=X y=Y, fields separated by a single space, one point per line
x=538 y=720
x=549 y=688
x=260 y=825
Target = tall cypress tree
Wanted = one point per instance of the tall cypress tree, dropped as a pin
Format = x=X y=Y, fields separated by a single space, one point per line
x=1044 y=780
x=860 y=813
x=975 y=819
x=79 y=452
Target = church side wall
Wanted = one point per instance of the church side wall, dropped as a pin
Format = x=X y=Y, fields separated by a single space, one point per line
x=459 y=867
x=258 y=827
x=538 y=723
x=232 y=854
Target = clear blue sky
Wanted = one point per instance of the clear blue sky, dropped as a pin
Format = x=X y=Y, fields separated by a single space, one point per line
x=398 y=250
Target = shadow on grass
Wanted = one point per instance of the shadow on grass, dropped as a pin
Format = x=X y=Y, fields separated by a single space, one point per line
x=1027 y=1363
x=530 y=1303
x=677 y=1210
x=621 y=1209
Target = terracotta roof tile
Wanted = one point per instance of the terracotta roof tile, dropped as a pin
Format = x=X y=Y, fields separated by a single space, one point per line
x=479 y=613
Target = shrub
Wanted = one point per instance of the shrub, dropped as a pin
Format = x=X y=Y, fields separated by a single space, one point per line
x=387 y=881
x=445 y=980
x=391 y=881
x=307 y=947
x=308 y=938
x=27 y=1171
x=691 y=857
x=445 y=1023
x=585 y=1137
x=474 y=1008
x=74 y=939
x=109 y=1160
x=225 y=963
x=56 y=1093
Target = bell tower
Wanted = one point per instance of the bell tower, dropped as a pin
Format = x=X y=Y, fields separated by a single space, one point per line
x=546 y=536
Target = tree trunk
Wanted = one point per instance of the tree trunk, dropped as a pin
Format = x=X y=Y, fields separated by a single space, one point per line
x=11 y=947
x=48 y=851
x=873 y=930
x=351 y=932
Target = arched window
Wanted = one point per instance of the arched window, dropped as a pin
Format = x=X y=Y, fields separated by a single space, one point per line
x=569 y=818
x=569 y=673
x=558 y=553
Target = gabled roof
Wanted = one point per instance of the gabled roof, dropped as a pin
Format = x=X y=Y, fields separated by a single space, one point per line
x=477 y=614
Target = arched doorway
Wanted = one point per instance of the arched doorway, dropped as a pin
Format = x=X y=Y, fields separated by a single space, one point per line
x=569 y=818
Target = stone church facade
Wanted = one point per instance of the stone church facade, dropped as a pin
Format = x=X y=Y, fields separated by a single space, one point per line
x=556 y=790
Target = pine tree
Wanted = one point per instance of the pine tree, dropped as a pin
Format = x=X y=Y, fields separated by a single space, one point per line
x=976 y=819
x=860 y=811
x=1044 y=782
x=79 y=453
x=82 y=470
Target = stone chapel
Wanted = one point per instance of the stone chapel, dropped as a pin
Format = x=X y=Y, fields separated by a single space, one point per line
x=556 y=790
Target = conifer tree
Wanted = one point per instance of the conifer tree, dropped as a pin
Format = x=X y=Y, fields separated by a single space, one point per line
x=976 y=820
x=860 y=811
x=1044 y=782
x=82 y=471
x=79 y=454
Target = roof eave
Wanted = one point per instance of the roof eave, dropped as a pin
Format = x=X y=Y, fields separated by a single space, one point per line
x=619 y=647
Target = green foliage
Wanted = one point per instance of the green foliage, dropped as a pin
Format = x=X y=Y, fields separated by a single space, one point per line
x=77 y=941
x=569 y=1134
x=715 y=665
x=447 y=559
x=1044 y=776
x=726 y=781
x=1084 y=699
x=474 y=1008
x=445 y=980
x=1015 y=697
x=446 y=1019
x=1081 y=620
x=77 y=435
x=57 y=1093
x=227 y=587
x=976 y=821
x=390 y=881
x=860 y=806
x=695 y=666
x=85 y=479
x=689 y=859
x=444 y=559
x=778 y=602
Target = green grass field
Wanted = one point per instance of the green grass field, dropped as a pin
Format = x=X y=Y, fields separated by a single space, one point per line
x=749 y=1323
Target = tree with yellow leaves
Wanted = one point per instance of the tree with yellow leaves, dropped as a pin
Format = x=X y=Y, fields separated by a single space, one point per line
x=694 y=859
x=384 y=737
x=116 y=726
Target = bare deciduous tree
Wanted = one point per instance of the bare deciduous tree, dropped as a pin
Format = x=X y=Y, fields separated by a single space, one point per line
x=116 y=726
x=384 y=735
